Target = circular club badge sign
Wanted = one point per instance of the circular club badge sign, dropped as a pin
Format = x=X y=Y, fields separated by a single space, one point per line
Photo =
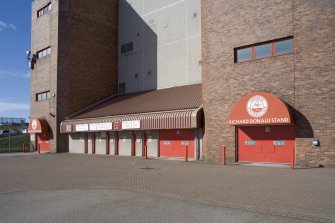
x=34 y=124
x=257 y=106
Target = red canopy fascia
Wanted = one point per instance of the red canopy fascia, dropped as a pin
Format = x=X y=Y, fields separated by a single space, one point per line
x=260 y=108
x=38 y=125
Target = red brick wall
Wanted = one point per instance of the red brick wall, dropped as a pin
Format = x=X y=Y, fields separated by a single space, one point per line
x=314 y=33
x=44 y=76
x=87 y=59
x=229 y=24
x=82 y=67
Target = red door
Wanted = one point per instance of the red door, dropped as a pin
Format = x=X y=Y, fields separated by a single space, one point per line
x=43 y=142
x=172 y=143
x=272 y=144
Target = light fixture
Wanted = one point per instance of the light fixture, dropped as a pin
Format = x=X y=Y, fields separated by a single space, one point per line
x=315 y=142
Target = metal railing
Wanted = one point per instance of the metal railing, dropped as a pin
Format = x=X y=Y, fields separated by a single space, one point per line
x=10 y=121
x=14 y=143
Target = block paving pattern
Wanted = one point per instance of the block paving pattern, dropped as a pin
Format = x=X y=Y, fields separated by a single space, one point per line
x=305 y=194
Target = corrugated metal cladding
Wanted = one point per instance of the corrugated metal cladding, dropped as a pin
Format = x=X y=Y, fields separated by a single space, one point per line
x=183 y=119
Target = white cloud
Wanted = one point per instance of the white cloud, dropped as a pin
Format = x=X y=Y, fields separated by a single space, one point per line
x=12 y=26
x=4 y=25
x=6 y=106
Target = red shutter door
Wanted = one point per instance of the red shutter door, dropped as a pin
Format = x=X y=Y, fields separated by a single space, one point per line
x=272 y=144
x=173 y=143
x=43 y=142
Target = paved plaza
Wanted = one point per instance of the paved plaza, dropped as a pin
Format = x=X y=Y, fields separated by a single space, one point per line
x=88 y=188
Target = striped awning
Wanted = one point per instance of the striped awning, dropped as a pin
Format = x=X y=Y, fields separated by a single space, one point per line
x=178 y=119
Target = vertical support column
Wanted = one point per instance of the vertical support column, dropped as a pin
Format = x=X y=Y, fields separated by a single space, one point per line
x=223 y=155
x=144 y=152
x=86 y=142
x=116 y=143
x=107 y=143
x=292 y=158
x=93 y=143
x=134 y=144
x=37 y=143
x=186 y=153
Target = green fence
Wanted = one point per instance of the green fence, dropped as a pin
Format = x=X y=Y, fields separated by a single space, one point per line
x=15 y=143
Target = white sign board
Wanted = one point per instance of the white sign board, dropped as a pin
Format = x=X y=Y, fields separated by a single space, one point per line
x=101 y=126
x=131 y=124
x=82 y=127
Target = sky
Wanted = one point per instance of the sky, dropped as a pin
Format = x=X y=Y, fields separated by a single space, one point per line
x=15 y=27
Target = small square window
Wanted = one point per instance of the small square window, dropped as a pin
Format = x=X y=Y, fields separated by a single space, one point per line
x=43 y=96
x=244 y=54
x=283 y=47
x=130 y=47
x=263 y=51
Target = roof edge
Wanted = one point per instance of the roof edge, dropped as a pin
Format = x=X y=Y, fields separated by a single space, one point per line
x=90 y=106
x=133 y=114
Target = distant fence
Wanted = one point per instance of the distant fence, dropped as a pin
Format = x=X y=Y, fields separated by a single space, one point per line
x=10 y=121
x=15 y=143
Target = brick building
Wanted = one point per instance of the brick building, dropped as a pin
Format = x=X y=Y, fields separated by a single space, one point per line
x=68 y=51
x=244 y=51
x=187 y=77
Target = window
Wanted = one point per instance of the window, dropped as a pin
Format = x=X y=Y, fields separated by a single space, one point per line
x=44 y=10
x=43 y=96
x=263 y=50
x=128 y=47
x=244 y=54
x=122 y=88
x=44 y=53
x=283 y=47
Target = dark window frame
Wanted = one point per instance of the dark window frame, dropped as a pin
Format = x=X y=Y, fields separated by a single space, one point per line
x=44 y=50
x=272 y=46
x=44 y=10
x=43 y=96
x=127 y=47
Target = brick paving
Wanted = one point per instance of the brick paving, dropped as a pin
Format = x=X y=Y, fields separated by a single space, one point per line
x=307 y=194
